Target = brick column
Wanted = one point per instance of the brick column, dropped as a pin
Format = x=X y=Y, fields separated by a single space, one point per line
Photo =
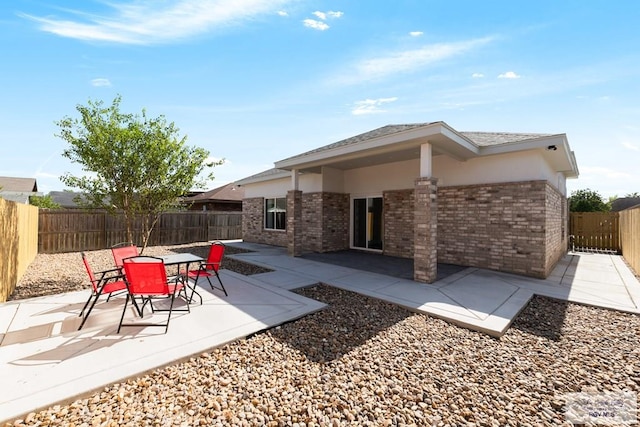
x=294 y=222
x=425 y=230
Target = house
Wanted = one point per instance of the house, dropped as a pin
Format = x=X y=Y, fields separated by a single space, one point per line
x=227 y=198
x=18 y=189
x=66 y=199
x=424 y=191
x=623 y=203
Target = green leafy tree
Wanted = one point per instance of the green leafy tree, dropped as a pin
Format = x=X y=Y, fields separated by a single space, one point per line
x=587 y=201
x=634 y=194
x=43 y=202
x=135 y=164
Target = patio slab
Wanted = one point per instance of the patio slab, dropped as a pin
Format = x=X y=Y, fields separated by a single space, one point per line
x=482 y=300
x=47 y=361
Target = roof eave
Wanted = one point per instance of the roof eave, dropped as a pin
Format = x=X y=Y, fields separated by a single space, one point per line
x=263 y=178
x=433 y=132
x=555 y=148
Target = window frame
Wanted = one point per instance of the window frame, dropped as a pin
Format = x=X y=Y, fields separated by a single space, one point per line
x=276 y=220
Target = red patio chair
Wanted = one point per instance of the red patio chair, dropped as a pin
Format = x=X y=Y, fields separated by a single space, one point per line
x=123 y=250
x=210 y=267
x=147 y=278
x=107 y=283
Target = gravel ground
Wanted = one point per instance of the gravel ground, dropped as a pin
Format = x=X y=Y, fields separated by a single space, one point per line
x=367 y=362
x=50 y=274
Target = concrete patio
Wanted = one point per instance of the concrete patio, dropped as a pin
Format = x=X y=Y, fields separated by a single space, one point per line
x=44 y=360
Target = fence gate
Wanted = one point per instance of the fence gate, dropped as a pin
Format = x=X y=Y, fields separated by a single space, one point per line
x=595 y=231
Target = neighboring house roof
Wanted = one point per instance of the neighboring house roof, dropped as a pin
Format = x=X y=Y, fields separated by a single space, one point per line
x=65 y=199
x=623 y=203
x=18 y=196
x=225 y=193
x=393 y=143
x=25 y=185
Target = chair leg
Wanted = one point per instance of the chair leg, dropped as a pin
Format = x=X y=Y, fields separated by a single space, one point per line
x=223 y=288
x=213 y=287
x=173 y=297
x=95 y=300
x=123 y=311
x=86 y=304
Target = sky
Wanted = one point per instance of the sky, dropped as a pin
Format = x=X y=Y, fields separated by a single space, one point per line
x=257 y=81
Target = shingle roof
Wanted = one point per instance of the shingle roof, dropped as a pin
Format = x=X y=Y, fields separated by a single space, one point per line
x=481 y=139
x=485 y=139
x=376 y=133
x=8 y=183
x=229 y=192
x=65 y=198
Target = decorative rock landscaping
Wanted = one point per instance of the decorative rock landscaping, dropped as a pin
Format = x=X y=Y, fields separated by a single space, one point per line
x=367 y=362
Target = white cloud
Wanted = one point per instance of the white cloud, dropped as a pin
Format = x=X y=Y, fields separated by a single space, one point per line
x=316 y=25
x=100 y=82
x=149 y=22
x=283 y=13
x=509 y=75
x=416 y=33
x=630 y=146
x=477 y=75
x=406 y=61
x=371 y=106
x=320 y=15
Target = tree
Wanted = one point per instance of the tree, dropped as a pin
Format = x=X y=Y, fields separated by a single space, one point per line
x=634 y=194
x=135 y=164
x=43 y=202
x=587 y=201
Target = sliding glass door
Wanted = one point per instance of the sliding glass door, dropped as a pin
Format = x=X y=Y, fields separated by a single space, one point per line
x=367 y=223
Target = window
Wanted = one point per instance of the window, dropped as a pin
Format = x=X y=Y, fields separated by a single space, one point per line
x=275 y=213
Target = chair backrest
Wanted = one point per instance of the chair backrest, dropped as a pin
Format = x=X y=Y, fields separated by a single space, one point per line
x=146 y=276
x=92 y=277
x=121 y=252
x=216 y=253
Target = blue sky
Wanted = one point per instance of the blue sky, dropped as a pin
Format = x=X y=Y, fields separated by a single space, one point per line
x=256 y=81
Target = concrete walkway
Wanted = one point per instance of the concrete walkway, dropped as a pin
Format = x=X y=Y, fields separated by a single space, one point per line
x=482 y=300
x=44 y=360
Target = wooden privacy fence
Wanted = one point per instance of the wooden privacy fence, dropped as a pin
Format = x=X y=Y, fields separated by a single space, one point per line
x=595 y=231
x=630 y=236
x=72 y=231
x=18 y=243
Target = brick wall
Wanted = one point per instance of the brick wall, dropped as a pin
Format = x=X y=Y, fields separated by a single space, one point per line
x=253 y=223
x=335 y=221
x=555 y=228
x=324 y=224
x=312 y=217
x=496 y=226
x=398 y=223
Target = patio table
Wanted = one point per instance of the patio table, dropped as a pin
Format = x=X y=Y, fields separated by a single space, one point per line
x=186 y=259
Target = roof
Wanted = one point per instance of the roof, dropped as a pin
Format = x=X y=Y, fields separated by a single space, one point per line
x=65 y=198
x=17 y=196
x=485 y=139
x=26 y=185
x=400 y=142
x=225 y=193
x=623 y=203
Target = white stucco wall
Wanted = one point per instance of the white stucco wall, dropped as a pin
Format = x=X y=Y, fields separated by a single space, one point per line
x=520 y=166
x=308 y=183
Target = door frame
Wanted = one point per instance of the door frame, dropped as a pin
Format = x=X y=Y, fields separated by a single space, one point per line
x=351 y=222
